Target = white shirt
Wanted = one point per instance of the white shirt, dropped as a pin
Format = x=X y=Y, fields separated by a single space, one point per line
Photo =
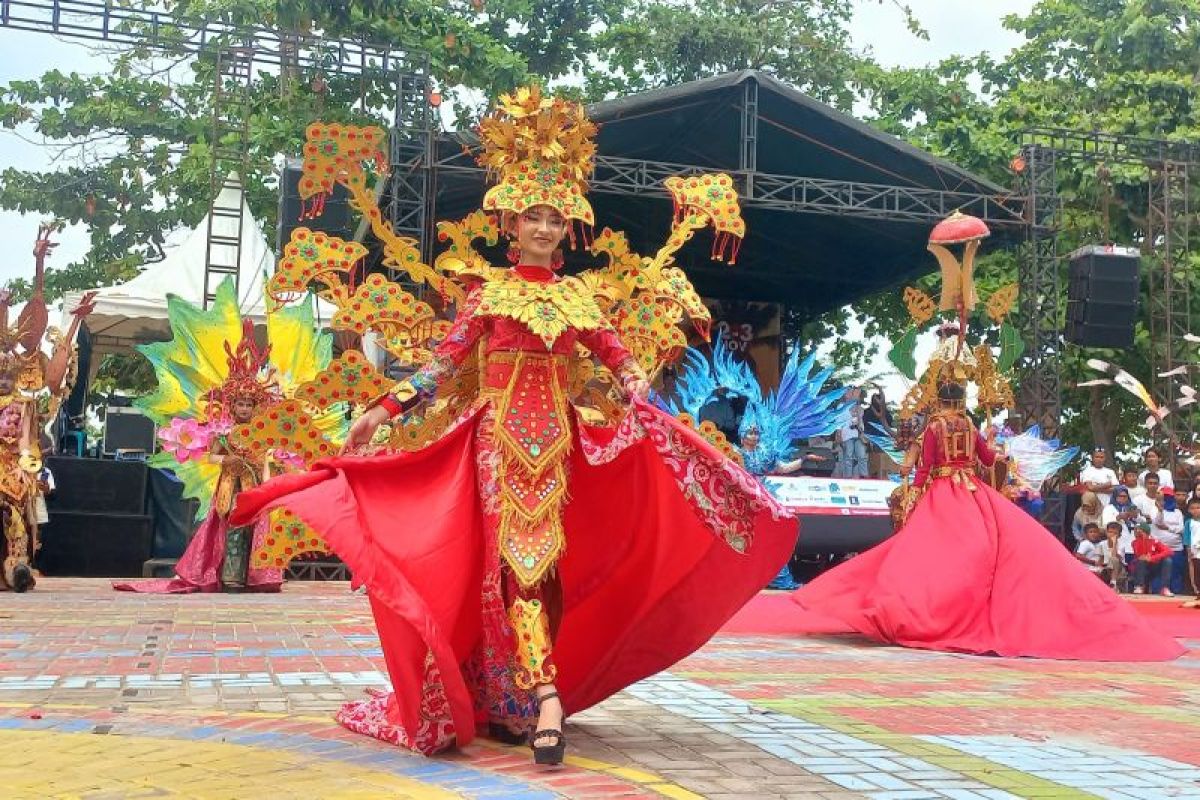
x=853 y=428
x=1124 y=543
x=1148 y=506
x=1109 y=514
x=1171 y=532
x=1165 y=478
x=1093 y=552
x=1102 y=476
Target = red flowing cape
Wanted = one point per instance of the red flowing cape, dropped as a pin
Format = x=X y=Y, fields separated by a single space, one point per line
x=971 y=572
x=646 y=580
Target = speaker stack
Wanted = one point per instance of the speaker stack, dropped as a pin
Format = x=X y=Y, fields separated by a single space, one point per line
x=1102 y=296
x=98 y=522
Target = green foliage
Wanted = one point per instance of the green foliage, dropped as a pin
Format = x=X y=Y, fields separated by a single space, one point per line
x=656 y=43
x=1117 y=66
x=133 y=149
x=901 y=354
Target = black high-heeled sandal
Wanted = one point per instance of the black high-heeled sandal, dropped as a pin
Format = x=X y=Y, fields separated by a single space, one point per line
x=550 y=755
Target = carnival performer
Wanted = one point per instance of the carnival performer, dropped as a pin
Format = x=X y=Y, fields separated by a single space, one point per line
x=525 y=564
x=969 y=571
x=772 y=422
x=25 y=376
x=213 y=376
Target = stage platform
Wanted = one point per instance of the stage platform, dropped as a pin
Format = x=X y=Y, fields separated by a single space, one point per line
x=230 y=696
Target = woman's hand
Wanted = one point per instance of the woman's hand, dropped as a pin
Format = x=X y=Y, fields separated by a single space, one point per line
x=364 y=428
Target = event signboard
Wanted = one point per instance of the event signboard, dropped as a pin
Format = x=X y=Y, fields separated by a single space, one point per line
x=839 y=496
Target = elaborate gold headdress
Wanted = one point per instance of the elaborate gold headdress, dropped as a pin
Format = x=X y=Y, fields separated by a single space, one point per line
x=954 y=361
x=245 y=379
x=541 y=148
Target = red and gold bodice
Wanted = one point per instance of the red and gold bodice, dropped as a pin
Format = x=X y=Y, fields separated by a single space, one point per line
x=530 y=324
x=950 y=447
x=239 y=472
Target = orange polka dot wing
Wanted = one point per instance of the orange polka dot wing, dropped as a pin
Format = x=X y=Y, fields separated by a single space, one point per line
x=287 y=435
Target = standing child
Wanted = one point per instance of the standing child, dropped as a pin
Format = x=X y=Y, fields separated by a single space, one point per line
x=1167 y=527
x=1191 y=543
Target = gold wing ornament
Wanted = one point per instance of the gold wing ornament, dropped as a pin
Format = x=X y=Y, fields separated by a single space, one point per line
x=921 y=307
x=1001 y=302
x=647 y=299
x=541 y=151
x=955 y=359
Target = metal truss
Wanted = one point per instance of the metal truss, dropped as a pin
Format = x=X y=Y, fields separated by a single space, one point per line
x=627 y=176
x=230 y=145
x=411 y=156
x=1039 y=398
x=1169 y=284
x=748 y=134
x=412 y=188
x=1168 y=280
x=1112 y=148
x=317 y=571
x=108 y=22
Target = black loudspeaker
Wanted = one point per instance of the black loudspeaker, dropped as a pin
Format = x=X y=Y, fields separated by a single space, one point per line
x=1102 y=296
x=127 y=429
x=92 y=485
x=337 y=219
x=87 y=544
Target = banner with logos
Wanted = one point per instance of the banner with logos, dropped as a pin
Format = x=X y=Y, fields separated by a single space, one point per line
x=841 y=496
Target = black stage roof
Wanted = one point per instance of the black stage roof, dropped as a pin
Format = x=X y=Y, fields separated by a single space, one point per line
x=835 y=210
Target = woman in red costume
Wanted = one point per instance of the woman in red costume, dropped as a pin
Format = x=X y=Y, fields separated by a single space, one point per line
x=526 y=564
x=971 y=572
x=217 y=558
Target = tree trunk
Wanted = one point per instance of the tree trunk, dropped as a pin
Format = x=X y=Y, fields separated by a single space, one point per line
x=1103 y=423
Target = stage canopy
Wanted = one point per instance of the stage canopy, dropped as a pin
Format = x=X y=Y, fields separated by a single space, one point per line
x=135 y=312
x=837 y=209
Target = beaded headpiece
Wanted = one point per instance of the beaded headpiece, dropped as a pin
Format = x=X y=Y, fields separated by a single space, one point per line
x=245 y=379
x=542 y=149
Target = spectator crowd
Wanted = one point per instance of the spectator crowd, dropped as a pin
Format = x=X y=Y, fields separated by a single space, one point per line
x=1138 y=530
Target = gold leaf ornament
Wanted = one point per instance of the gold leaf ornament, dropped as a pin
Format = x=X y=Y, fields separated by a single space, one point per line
x=920 y=305
x=546 y=309
x=1000 y=304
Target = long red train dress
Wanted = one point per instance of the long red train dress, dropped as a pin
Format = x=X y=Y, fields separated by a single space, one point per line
x=665 y=538
x=971 y=572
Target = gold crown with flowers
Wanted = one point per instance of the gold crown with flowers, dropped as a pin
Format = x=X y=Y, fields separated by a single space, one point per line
x=542 y=150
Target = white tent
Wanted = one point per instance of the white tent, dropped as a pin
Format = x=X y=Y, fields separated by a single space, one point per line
x=135 y=312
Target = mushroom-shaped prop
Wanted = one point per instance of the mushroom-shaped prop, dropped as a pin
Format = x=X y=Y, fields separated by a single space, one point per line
x=958 y=279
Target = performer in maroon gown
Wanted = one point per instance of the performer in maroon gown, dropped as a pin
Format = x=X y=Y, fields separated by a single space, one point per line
x=971 y=572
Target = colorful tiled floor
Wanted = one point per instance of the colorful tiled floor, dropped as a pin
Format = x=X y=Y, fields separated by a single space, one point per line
x=107 y=695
